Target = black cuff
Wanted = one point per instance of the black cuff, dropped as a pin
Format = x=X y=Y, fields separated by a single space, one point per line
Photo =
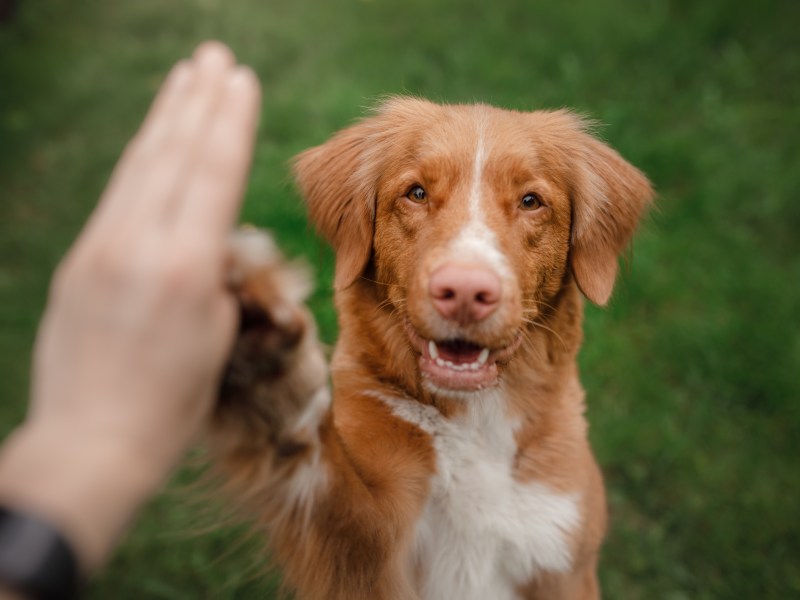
x=35 y=559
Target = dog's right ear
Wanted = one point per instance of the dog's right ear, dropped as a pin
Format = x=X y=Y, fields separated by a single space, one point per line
x=335 y=181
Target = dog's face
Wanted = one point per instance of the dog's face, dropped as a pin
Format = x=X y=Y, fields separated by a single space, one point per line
x=472 y=218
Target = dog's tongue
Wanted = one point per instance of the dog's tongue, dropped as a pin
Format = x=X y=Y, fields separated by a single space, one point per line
x=458 y=351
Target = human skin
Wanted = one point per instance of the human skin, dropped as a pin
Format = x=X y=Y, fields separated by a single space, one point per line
x=139 y=319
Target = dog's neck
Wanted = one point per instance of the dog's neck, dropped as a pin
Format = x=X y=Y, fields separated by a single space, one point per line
x=373 y=349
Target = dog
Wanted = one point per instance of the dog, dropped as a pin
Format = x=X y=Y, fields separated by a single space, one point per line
x=451 y=459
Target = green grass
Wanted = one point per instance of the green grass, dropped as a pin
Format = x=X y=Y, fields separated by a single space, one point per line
x=692 y=373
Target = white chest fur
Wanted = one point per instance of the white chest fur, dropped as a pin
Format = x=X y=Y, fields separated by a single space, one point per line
x=483 y=533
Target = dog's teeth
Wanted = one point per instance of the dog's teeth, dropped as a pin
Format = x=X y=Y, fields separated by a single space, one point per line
x=484 y=356
x=446 y=364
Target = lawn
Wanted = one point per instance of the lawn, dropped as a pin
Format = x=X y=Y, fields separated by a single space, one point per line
x=691 y=373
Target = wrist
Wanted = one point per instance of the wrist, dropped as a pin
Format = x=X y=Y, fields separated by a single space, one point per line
x=36 y=561
x=88 y=488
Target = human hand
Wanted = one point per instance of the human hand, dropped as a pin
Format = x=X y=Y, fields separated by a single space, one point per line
x=139 y=321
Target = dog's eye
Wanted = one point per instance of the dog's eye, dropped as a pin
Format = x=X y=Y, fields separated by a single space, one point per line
x=531 y=202
x=417 y=194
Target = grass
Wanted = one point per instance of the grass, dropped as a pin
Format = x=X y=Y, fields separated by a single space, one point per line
x=692 y=373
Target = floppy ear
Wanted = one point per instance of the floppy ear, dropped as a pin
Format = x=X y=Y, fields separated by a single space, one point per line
x=609 y=195
x=341 y=198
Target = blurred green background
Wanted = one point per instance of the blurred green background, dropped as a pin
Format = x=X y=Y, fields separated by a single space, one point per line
x=692 y=372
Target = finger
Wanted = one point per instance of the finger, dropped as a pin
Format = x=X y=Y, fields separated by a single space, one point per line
x=207 y=66
x=145 y=190
x=211 y=198
x=166 y=160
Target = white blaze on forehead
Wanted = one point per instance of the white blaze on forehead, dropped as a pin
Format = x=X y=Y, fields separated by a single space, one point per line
x=477 y=175
x=476 y=240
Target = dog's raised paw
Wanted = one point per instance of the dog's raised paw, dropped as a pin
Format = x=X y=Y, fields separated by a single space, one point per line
x=270 y=291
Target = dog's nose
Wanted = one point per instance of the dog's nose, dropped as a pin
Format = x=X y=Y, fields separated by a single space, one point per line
x=464 y=293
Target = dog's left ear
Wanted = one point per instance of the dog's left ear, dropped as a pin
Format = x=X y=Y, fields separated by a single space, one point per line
x=609 y=196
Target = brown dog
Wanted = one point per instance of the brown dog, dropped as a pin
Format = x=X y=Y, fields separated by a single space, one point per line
x=453 y=462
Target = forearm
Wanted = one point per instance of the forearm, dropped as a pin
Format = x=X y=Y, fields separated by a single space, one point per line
x=89 y=490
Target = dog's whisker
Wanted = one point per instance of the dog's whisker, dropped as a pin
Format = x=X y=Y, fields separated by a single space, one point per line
x=382 y=283
x=383 y=305
x=396 y=305
x=551 y=330
x=537 y=304
x=535 y=348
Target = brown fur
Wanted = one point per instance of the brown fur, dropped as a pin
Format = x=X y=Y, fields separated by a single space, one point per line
x=351 y=537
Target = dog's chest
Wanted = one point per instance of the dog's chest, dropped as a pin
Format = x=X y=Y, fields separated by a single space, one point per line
x=483 y=533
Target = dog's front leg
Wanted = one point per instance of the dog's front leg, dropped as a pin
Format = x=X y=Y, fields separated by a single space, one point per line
x=339 y=523
x=274 y=393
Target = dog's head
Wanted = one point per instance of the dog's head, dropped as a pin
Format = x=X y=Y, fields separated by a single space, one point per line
x=473 y=218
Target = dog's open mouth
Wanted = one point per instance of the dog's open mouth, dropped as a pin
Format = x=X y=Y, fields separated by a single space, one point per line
x=459 y=364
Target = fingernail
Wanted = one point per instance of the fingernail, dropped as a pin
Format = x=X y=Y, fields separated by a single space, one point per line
x=214 y=53
x=180 y=73
x=243 y=79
